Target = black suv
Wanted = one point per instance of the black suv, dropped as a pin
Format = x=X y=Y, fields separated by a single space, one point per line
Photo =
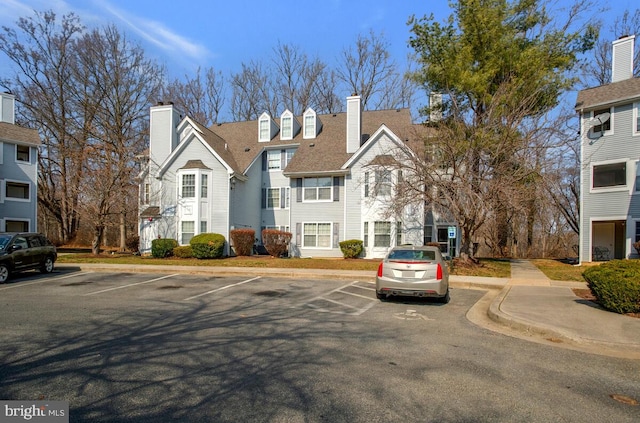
x=24 y=251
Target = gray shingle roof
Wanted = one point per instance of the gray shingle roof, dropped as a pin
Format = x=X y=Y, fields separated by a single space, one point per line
x=609 y=94
x=324 y=154
x=14 y=133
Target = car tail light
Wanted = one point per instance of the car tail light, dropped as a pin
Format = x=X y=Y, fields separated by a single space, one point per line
x=380 y=270
x=439 y=272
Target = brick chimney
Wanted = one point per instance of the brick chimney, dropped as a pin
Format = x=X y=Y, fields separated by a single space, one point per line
x=622 y=58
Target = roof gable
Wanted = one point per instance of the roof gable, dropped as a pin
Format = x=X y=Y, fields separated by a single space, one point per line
x=626 y=91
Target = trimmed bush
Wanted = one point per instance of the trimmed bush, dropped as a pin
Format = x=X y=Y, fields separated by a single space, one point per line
x=207 y=246
x=183 y=251
x=133 y=243
x=276 y=242
x=243 y=240
x=163 y=247
x=616 y=285
x=351 y=248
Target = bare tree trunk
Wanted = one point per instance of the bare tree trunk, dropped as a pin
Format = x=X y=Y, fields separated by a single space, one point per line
x=123 y=231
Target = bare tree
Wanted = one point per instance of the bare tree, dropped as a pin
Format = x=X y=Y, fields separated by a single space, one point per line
x=126 y=81
x=599 y=69
x=198 y=97
x=42 y=50
x=368 y=70
x=253 y=92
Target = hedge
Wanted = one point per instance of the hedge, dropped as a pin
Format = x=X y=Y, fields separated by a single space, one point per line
x=207 y=245
x=163 y=247
x=351 y=248
x=616 y=285
x=243 y=240
x=184 y=251
x=276 y=242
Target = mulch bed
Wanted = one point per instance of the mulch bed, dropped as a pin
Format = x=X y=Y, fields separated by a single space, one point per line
x=586 y=294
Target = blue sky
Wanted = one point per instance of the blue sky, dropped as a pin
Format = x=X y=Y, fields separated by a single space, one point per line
x=225 y=33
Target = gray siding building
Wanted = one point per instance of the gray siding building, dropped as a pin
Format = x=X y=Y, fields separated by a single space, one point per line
x=311 y=175
x=18 y=171
x=610 y=162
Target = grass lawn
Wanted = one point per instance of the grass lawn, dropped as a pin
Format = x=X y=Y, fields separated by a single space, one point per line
x=488 y=267
x=559 y=271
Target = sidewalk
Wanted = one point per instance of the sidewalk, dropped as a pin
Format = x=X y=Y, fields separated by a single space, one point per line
x=533 y=304
x=528 y=304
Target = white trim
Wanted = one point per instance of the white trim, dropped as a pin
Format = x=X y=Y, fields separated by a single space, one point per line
x=604 y=219
x=630 y=175
x=317 y=188
x=17 y=219
x=22 y=162
x=16 y=199
x=635 y=129
x=330 y=247
x=611 y=130
x=383 y=129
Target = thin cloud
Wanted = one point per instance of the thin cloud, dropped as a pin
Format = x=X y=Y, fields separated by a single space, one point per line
x=157 y=33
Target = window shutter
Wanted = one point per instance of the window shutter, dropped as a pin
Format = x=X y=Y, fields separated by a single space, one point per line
x=283 y=159
x=283 y=193
x=336 y=188
x=298 y=234
x=299 y=190
x=336 y=234
x=264 y=198
x=366 y=184
x=264 y=161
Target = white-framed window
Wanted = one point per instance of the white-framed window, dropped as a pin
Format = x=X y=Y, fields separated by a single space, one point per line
x=16 y=225
x=187 y=229
x=204 y=185
x=636 y=118
x=146 y=195
x=286 y=130
x=382 y=234
x=273 y=159
x=316 y=235
x=15 y=190
x=398 y=233
x=203 y=226
x=264 y=129
x=606 y=126
x=366 y=184
x=318 y=189
x=383 y=182
x=23 y=153
x=609 y=175
x=273 y=198
x=309 y=129
x=287 y=198
x=188 y=185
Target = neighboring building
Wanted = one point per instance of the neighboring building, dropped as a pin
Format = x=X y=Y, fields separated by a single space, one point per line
x=610 y=161
x=324 y=178
x=18 y=171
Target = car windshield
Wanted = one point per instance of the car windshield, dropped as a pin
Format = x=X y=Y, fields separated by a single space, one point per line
x=425 y=255
x=4 y=240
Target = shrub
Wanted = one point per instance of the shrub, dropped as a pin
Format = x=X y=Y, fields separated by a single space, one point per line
x=163 y=247
x=183 y=251
x=276 y=242
x=207 y=246
x=243 y=240
x=351 y=248
x=133 y=243
x=616 y=285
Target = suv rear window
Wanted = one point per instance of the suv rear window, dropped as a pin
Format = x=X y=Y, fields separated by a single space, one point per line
x=412 y=255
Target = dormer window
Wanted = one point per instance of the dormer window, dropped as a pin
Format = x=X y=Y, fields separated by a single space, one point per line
x=264 y=129
x=286 y=127
x=267 y=128
x=311 y=124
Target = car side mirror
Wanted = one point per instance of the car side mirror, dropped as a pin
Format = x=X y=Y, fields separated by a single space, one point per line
x=15 y=247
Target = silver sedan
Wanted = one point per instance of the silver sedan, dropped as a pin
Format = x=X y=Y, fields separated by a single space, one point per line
x=413 y=271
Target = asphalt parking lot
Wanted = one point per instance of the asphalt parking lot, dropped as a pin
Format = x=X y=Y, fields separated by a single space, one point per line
x=140 y=347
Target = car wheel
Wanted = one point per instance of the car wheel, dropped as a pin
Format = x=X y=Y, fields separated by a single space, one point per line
x=47 y=265
x=445 y=299
x=4 y=273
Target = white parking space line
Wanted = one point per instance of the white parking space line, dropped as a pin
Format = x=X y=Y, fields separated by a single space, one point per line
x=221 y=288
x=131 y=284
x=18 y=285
x=341 y=290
